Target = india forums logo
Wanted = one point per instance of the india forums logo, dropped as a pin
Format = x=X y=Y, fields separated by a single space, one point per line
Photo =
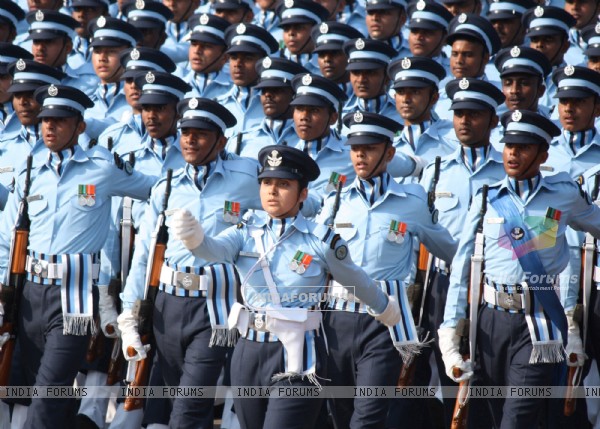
x=542 y=233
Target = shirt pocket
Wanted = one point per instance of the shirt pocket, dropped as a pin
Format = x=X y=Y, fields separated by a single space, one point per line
x=347 y=233
x=446 y=203
x=37 y=207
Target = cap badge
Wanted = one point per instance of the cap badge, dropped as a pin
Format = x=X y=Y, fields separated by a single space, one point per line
x=516 y=116
x=21 y=65
x=324 y=28
x=101 y=22
x=360 y=44
x=204 y=19
x=406 y=63
x=421 y=5
x=134 y=54
x=462 y=18
x=267 y=62
x=52 y=91
x=515 y=52
x=569 y=70
x=193 y=103
x=240 y=29
x=140 y=4
x=306 y=79
x=539 y=11
x=39 y=15
x=463 y=84
x=597 y=28
x=150 y=78
x=274 y=160
x=289 y=3
x=358 y=117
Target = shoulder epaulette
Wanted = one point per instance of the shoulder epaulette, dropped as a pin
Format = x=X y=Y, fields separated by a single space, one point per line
x=416 y=190
x=242 y=165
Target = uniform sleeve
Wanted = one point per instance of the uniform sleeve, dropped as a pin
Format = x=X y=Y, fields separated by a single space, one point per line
x=135 y=185
x=456 y=301
x=134 y=286
x=324 y=215
x=7 y=224
x=585 y=216
x=402 y=165
x=225 y=247
x=348 y=274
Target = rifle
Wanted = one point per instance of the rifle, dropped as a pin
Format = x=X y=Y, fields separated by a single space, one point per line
x=10 y=294
x=424 y=262
x=588 y=256
x=336 y=203
x=95 y=345
x=459 y=416
x=143 y=308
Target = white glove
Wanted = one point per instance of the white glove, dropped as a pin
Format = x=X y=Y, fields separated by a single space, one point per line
x=186 y=228
x=108 y=312
x=391 y=315
x=420 y=164
x=449 y=343
x=130 y=336
x=574 y=343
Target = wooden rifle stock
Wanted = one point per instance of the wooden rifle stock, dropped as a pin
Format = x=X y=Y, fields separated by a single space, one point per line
x=156 y=259
x=570 y=400
x=10 y=294
x=95 y=345
x=461 y=407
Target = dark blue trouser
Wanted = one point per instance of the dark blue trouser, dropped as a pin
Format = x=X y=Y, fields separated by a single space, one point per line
x=182 y=332
x=361 y=353
x=49 y=357
x=253 y=364
x=503 y=350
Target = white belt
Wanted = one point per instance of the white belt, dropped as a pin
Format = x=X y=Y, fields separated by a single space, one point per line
x=596 y=276
x=337 y=291
x=242 y=319
x=441 y=265
x=187 y=281
x=51 y=271
x=508 y=301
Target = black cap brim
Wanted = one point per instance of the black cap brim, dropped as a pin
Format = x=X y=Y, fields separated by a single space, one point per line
x=279 y=173
x=412 y=83
x=503 y=15
x=365 y=65
x=382 y=6
x=110 y=43
x=46 y=35
x=246 y=49
x=24 y=87
x=592 y=51
x=518 y=69
x=207 y=38
x=156 y=99
x=329 y=46
x=521 y=138
x=296 y=20
x=544 y=31
x=469 y=105
x=132 y=73
x=573 y=93
x=273 y=83
x=147 y=23
x=423 y=24
x=310 y=100
x=198 y=124
x=57 y=112
x=364 y=139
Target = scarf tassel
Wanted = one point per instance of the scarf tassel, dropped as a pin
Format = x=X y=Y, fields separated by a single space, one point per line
x=78 y=325
x=551 y=352
x=224 y=337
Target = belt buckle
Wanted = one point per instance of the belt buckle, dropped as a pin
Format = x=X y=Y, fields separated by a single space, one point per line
x=259 y=321
x=39 y=268
x=186 y=281
x=509 y=302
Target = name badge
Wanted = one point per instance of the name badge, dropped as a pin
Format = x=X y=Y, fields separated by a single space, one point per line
x=443 y=194
x=396 y=232
x=300 y=262
x=6 y=169
x=546 y=168
x=231 y=212
x=250 y=254
x=34 y=198
x=86 y=195
x=495 y=220
x=344 y=225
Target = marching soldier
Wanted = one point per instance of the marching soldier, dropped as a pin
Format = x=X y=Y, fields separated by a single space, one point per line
x=297 y=18
x=522 y=326
x=204 y=70
x=379 y=220
x=191 y=308
x=8 y=54
x=150 y=19
x=385 y=20
x=126 y=135
x=505 y=16
x=281 y=343
x=276 y=94
x=591 y=37
x=176 y=46
x=473 y=163
x=329 y=40
x=84 y=12
x=12 y=15
x=69 y=186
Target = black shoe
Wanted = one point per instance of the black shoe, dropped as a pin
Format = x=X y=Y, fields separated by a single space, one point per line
x=84 y=422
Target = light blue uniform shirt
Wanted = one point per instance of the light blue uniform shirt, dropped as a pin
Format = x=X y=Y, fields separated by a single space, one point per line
x=562 y=158
x=501 y=266
x=206 y=205
x=308 y=60
x=365 y=228
x=126 y=134
x=109 y=107
x=175 y=46
x=452 y=201
x=235 y=245
x=244 y=104
x=207 y=85
x=59 y=223
x=268 y=132
x=83 y=78
x=383 y=105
